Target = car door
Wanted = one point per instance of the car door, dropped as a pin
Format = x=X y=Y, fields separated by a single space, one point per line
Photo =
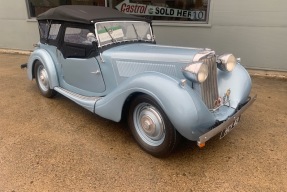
x=81 y=72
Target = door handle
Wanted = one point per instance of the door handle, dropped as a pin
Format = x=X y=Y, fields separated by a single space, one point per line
x=96 y=72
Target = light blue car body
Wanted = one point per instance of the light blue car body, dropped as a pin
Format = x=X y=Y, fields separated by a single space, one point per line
x=104 y=84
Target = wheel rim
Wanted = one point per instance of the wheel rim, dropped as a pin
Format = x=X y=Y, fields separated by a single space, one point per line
x=149 y=124
x=43 y=78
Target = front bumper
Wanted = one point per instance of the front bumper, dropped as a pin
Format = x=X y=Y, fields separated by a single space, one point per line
x=205 y=137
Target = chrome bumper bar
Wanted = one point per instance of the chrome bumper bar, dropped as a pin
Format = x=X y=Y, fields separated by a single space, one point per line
x=205 y=137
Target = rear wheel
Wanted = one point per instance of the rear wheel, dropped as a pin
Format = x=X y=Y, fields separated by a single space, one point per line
x=151 y=127
x=42 y=79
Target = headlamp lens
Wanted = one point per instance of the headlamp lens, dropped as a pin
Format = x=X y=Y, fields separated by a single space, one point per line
x=202 y=74
x=226 y=62
x=196 y=72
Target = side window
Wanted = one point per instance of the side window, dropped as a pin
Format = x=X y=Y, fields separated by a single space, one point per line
x=44 y=29
x=54 y=30
x=77 y=42
x=76 y=36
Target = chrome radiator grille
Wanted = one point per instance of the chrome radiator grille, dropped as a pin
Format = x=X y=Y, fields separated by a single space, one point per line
x=209 y=88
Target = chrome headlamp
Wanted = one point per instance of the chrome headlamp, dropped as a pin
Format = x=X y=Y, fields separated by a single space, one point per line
x=196 y=72
x=226 y=62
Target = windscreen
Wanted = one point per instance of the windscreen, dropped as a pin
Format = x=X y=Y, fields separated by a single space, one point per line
x=121 y=31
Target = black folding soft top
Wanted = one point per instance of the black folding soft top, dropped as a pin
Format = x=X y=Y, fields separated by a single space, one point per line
x=86 y=14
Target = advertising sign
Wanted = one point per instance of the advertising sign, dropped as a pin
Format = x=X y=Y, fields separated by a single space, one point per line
x=151 y=10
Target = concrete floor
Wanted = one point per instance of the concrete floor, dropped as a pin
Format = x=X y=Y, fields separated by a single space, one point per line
x=55 y=145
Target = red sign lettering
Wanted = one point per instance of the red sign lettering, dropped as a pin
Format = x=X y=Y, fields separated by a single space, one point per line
x=126 y=8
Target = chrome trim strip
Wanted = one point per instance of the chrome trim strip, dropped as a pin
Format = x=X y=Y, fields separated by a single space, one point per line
x=203 y=54
x=205 y=137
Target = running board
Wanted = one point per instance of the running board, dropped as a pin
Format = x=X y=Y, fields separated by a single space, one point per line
x=84 y=101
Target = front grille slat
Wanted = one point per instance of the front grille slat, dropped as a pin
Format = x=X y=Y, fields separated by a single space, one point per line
x=209 y=88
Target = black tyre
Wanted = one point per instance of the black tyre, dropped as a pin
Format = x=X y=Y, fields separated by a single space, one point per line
x=151 y=127
x=42 y=80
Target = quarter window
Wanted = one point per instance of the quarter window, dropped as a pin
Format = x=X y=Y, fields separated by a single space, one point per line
x=54 y=30
x=48 y=31
x=44 y=29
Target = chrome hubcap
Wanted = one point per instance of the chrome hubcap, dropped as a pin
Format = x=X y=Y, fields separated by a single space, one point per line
x=149 y=124
x=43 y=78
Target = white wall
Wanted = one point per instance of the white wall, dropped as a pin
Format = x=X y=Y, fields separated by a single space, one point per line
x=16 y=31
x=254 y=30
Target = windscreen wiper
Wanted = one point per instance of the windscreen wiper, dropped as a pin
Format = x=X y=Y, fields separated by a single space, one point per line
x=113 y=40
x=136 y=32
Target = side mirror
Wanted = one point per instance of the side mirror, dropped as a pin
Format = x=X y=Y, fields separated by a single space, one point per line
x=91 y=38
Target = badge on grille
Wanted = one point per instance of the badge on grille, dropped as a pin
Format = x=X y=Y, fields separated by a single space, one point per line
x=226 y=96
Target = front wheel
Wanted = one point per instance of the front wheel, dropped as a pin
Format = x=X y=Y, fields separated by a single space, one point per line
x=42 y=79
x=151 y=127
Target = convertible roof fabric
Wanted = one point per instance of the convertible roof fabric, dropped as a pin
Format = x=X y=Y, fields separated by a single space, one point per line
x=86 y=14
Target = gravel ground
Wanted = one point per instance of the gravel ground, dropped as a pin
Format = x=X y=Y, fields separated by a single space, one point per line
x=56 y=145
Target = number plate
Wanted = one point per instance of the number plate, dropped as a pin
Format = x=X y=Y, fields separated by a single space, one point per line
x=229 y=128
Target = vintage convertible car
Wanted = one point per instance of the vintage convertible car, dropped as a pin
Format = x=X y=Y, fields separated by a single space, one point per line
x=109 y=63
